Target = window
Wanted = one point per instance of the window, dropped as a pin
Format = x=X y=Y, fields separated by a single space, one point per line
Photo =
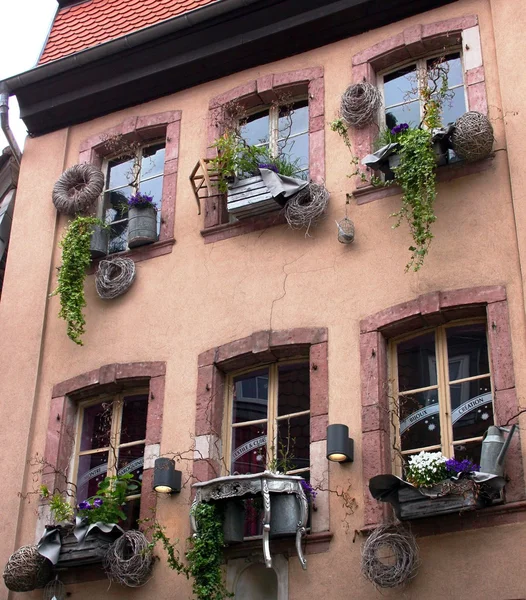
x=111 y=440
x=284 y=131
x=126 y=175
x=400 y=90
x=272 y=403
x=443 y=385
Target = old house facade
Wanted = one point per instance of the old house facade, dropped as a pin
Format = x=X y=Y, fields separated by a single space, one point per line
x=239 y=335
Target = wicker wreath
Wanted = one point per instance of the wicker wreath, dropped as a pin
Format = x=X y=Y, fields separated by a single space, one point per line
x=360 y=104
x=472 y=136
x=307 y=207
x=129 y=560
x=114 y=277
x=389 y=556
x=27 y=570
x=77 y=189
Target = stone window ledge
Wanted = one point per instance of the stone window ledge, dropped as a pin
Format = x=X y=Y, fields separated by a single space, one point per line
x=139 y=254
x=229 y=230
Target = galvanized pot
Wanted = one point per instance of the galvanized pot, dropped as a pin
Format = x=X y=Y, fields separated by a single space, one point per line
x=142 y=226
x=100 y=239
x=233 y=521
x=284 y=514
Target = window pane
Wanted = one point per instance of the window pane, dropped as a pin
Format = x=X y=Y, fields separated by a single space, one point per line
x=454 y=76
x=400 y=85
x=256 y=129
x=293 y=443
x=417 y=363
x=472 y=408
x=454 y=106
x=152 y=161
x=296 y=149
x=249 y=449
x=132 y=510
x=154 y=188
x=134 y=413
x=118 y=237
x=406 y=113
x=419 y=420
x=472 y=451
x=116 y=204
x=96 y=426
x=120 y=172
x=92 y=470
x=297 y=121
x=467 y=349
x=251 y=396
x=131 y=460
x=293 y=389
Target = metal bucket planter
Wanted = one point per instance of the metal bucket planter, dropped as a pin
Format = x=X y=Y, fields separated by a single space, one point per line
x=284 y=514
x=92 y=550
x=142 y=226
x=100 y=239
x=233 y=521
x=250 y=197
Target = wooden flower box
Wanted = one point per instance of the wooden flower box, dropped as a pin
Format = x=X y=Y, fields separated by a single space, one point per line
x=250 y=197
x=91 y=551
x=413 y=504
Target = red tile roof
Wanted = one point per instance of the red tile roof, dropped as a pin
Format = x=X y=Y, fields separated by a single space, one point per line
x=96 y=21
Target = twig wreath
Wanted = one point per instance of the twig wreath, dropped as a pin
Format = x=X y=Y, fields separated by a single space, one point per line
x=27 y=570
x=472 y=137
x=114 y=277
x=360 y=104
x=389 y=556
x=307 y=207
x=77 y=189
x=129 y=560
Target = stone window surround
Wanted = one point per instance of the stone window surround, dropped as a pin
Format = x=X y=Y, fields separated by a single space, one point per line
x=144 y=129
x=261 y=348
x=431 y=310
x=260 y=93
x=61 y=431
x=415 y=42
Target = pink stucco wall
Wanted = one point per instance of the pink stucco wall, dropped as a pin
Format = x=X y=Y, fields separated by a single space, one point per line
x=203 y=296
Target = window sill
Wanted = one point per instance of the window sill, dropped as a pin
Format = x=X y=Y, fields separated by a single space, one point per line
x=138 y=254
x=370 y=193
x=224 y=231
x=313 y=543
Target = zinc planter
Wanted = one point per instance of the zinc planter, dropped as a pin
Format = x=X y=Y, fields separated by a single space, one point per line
x=100 y=239
x=142 y=226
x=233 y=521
x=284 y=515
x=250 y=197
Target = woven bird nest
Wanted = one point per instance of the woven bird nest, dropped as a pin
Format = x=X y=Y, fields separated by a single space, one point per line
x=77 y=189
x=27 y=570
x=360 y=104
x=307 y=207
x=472 y=136
x=114 y=277
x=389 y=556
x=129 y=560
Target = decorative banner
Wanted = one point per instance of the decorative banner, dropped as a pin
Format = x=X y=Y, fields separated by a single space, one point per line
x=417 y=416
x=248 y=446
x=135 y=464
x=102 y=469
x=470 y=405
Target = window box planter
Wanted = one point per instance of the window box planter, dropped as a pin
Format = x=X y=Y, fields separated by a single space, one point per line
x=142 y=226
x=91 y=550
x=250 y=197
x=100 y=240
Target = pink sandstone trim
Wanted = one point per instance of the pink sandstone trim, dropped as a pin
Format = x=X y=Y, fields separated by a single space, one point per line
x=142 y=129
x=430 y=310
x=261 y=92
x=63 y=409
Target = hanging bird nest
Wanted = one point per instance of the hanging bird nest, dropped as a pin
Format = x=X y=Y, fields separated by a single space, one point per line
x=129 y=560
x=345 y=231
x=307 y=207
x=54 y=590
x=360 y=104
x=389 y=556
x=472 y=137
x=114 y=277
x=77 y=189
x=27 y=570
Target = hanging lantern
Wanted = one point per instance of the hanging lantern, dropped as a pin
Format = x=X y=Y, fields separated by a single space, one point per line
x=345 y=231
x=55 y=590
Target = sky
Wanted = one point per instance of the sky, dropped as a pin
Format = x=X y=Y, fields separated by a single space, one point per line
x=24 y=25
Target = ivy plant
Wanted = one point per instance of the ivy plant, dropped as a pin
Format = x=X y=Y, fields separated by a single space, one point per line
x=75 y=260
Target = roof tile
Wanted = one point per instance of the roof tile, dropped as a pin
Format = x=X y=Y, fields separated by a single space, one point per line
x=94 y=22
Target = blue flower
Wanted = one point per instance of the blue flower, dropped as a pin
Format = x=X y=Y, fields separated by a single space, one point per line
x=139 y=200
x=85 y=505
x=269 y=166
x=98 y=502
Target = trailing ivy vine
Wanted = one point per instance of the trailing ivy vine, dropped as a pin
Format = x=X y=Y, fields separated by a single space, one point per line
x=75 y=260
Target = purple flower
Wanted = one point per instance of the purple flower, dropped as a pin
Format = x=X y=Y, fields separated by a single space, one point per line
x=85 y=505
x=455 y=467
x=269 y=166
x=139 y=200
x=98 y=502
x=310 y=492
x=399 y=128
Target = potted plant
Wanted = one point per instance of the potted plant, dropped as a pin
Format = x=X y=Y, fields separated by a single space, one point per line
x=285 y=511
x=142 y=220
x=100 y=240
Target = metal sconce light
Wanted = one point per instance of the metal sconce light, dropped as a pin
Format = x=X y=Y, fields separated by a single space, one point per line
x=340 y=447
x=165 y=478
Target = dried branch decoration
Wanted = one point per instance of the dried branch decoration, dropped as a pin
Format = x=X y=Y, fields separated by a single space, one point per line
x=27 y=570
x=389 y=556
x=472 y=137
x=114 y=277
x=129 y=560
x=360 y=104
x=307 y=207
x=77 y=189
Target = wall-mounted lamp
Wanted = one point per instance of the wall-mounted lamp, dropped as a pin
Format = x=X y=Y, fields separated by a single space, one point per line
x=165 y=478
x=340 y=447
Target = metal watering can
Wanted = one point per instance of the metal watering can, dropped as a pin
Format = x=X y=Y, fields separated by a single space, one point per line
x=494 y=448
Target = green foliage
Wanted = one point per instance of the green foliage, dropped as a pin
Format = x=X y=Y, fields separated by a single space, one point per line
x=339 y=126
x=61 y=510
x=75 y=260
x=416 y=176
x=106 y=505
